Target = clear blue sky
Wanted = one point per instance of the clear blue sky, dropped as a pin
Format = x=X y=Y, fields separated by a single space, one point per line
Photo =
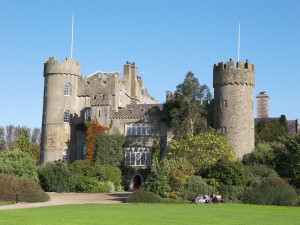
x=165 y=38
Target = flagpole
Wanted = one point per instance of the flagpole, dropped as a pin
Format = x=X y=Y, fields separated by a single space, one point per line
x=239 y=40
x=72 y=36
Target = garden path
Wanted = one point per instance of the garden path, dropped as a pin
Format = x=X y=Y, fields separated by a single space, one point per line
x=74 y=198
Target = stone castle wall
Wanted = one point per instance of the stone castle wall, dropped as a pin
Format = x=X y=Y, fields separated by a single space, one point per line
x=233 y=104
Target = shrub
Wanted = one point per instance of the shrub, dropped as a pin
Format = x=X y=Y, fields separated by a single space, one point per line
x=262 y=154
x=272 y=191
x=227 y=172
x=257 y=173
x=196 y=186
x=80 y=176
x=56 y=177
x=28 y=190
x=168 y=177
x=144 y=196
x=18 y=163
x=232 y=194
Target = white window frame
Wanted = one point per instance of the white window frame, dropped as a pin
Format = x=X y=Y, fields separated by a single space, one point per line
x=67 y=89
x=67 y=116
x=138 y=156
x=138 y=129
x=88 y=114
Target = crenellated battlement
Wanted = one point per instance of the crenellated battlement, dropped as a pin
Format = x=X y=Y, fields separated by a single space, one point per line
x=228 y=74
x=68 y=66
x=230 y=65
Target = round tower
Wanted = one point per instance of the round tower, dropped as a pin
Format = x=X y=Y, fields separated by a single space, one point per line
x=233 y=104
x=60 y=104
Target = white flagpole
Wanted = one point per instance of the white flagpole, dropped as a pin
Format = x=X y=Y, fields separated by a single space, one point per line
x=72 y=36
x=239 y=40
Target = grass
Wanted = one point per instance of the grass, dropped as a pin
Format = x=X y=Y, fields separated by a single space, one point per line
x=6 y=203
x=161 y=214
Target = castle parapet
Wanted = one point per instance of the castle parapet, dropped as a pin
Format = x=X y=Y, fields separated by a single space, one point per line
x=69 y=66
x=228 y=74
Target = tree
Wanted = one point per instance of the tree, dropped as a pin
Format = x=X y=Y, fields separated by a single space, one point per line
x=202 y=150
x=94 y=130
x=185 y=113
x=262 y=154
x=23 y=142
x=271 y=131
x=2 y=138
x=18 y=163
x=287 y=159
x=36 y=135
x=227 y=172
x=110 y=149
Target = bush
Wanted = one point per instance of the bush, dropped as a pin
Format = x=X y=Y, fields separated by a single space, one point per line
x=144 y=196
x=56 y=177
x=196 y=186
x=80 y=176
x=257 y=173
x=232 y=194
x=168 y=177
x=227 y=172
x=262 y=154
x=272 y=191
x=28 y=190
x=18 y=163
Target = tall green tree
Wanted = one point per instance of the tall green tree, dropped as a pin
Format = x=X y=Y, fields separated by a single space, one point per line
x=23 y=142
x=185 y=112
x=287 y=160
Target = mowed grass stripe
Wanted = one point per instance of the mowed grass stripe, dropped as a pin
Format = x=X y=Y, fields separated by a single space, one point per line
x=132 y=214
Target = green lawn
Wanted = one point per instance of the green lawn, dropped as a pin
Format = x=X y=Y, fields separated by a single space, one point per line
x=6 y=203
x=158 y=214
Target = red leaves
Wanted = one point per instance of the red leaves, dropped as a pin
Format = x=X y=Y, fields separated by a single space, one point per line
x=94 y=130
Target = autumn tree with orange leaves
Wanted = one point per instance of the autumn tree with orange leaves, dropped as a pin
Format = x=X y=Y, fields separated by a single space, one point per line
x=94 y=130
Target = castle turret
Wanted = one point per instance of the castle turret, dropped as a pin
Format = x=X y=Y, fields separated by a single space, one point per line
x=132 y=85
x=233 y=104
x=60 y=106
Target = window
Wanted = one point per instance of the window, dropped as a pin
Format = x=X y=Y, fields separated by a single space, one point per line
x=138 y=129
x=223 y=130
x=84 y=152
x=65 y=156
x=66 y=116
x=138 y=156
x=223 y=103
x=67 y=89
x=87 y=115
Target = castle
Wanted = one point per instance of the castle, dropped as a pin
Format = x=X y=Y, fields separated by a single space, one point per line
x=122 y=103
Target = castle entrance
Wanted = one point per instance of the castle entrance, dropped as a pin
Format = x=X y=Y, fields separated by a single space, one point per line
x=137 y=181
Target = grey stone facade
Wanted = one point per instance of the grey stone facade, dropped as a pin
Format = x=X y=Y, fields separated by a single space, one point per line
x=71 y=99
x=122 y=103
x=233 y=110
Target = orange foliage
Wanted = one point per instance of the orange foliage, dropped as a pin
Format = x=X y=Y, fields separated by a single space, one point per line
x=94 y=130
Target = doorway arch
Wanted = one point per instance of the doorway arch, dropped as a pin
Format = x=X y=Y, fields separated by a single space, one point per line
x=137 y=182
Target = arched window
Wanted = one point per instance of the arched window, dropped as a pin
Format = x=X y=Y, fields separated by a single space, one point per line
x=66 y=116
x=67 y=89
